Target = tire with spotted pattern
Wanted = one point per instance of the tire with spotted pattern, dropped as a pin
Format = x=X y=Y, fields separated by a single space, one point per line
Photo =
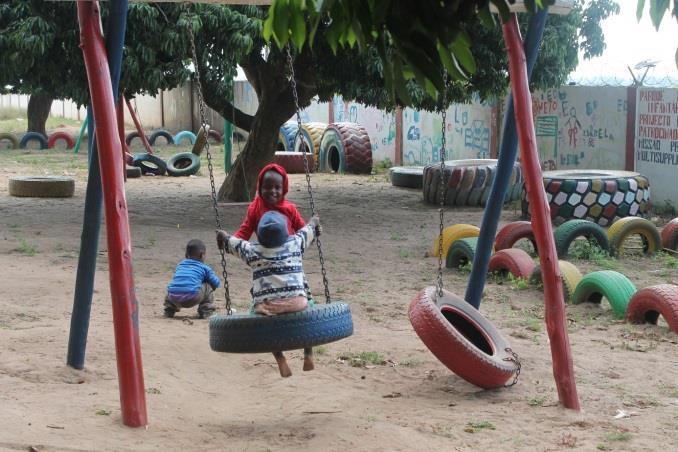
x=461 y=338
x=345 y=148
x=601 y=196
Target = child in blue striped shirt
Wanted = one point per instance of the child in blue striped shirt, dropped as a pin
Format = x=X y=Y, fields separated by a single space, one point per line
x=193 y=283
x=277 y=272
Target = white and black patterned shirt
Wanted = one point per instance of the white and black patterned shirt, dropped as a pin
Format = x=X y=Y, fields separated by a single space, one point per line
x=276 y=272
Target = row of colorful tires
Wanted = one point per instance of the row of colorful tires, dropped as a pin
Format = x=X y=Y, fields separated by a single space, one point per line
x=45 y=142
x=612 y=241
x=642 y=306
x=465 y=182
x=341 y=147
x=48 y=142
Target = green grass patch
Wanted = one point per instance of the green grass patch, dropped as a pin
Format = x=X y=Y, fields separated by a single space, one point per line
x=473 y=427
x=363 y=358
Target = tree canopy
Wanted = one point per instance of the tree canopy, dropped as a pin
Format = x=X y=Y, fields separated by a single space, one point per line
x=157 y=56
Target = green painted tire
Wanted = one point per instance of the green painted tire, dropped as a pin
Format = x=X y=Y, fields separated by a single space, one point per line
x=461 y=252
x=614 y=286
x=567 y=232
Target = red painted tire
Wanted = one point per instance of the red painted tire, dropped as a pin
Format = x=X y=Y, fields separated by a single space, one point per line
x=345 y=148
x=512 y=260
x=647 y=304
x=670 y=235
x=70 y=142
x=293 y=162
x=215 y=135
x=462 y=339
x=512 y=232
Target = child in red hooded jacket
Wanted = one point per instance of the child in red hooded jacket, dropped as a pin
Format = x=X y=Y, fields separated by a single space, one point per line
x=272 y=186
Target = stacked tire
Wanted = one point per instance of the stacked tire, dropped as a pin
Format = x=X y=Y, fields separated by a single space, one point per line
x=345 y=148
x=467 y=182
x=600 y=196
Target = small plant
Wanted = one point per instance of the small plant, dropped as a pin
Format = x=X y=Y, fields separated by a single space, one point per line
x=152 y=391
x=103 y=412
x=587 y=250
x=666 y=208
x=536 y=401
x=404 y=254
x=603 y=447
x=363 y=358
x=472 y=427
x=518 y=283
x=618 y=436
x=397 y=237
x=410 y=363
x=320 y=350
x=26 y=248
x=466 y=268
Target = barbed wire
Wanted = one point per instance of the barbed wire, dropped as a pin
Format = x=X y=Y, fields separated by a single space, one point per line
x=665 y=81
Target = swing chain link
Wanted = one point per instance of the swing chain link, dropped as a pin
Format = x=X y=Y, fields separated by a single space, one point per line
x=513 y=358
x=442 y=190
x=293 y=84
x=204 y=127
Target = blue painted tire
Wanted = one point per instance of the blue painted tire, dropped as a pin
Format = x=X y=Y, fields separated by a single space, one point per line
x=288 y=132
x=183 y=135
x=183 y=164
x=33 y=136
x=160 y=133
x=246 y=333
x=150 y=164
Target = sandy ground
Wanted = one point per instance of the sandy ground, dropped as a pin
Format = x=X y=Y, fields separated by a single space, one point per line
x=375 y=238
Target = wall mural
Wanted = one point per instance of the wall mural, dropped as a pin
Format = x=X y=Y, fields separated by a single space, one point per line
x=581 y=127
x=467 y=134
x=380 y=126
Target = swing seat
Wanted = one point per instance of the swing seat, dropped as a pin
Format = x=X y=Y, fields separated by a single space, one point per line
x=462 y=339
x=248 y=333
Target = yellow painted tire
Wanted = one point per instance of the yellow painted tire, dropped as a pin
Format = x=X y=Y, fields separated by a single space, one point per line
x=571 y=277
x=450 y=235
x=623 y=228
x=311 y=133
x=200 y=140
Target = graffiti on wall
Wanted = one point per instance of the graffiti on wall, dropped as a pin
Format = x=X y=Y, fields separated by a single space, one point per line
x=380 y=126
x=656 y=146
x=581 y=127
x=467 y=134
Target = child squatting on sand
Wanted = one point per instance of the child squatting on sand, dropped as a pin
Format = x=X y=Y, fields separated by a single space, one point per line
x=277 y=272
x=193 y=283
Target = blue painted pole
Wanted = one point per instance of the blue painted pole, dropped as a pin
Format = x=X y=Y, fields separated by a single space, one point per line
x=89 y=240
x=505 y=163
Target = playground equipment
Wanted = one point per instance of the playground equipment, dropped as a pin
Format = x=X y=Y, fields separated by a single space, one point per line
x=453 y=330
x=33 y=136
x=407 y=176
x=622 y=229
x=13 y=141
x=41 y=186
x=669 y=235
x=649 y=303
x=602 y=196
x=345 y=148
x=567 y=232
x=248 y=333
x=53 y=138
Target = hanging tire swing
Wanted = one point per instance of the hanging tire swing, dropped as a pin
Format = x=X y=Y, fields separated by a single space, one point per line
x=452 y=329
x=252 y=333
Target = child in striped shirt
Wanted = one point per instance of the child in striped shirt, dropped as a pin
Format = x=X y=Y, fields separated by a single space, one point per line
x=277 y=272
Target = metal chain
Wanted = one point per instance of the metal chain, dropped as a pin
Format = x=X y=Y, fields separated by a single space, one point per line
x=293 y=83
x=514 y=358
x=204 y=127
x=442 y=191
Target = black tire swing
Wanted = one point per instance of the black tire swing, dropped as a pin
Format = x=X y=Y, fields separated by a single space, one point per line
x=251 y=333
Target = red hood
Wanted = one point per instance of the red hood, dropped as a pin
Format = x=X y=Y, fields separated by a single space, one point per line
x=278 y=169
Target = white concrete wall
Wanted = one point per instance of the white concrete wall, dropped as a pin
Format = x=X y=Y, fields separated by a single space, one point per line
x=380 y=126
x=581 y=127
x=656 y=143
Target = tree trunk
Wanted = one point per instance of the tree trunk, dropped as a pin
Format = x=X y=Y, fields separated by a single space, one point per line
x=39 y=105
x=240 y=183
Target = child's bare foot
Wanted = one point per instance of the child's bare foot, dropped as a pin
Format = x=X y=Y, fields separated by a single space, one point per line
x=283 y=367
x=308 y=363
